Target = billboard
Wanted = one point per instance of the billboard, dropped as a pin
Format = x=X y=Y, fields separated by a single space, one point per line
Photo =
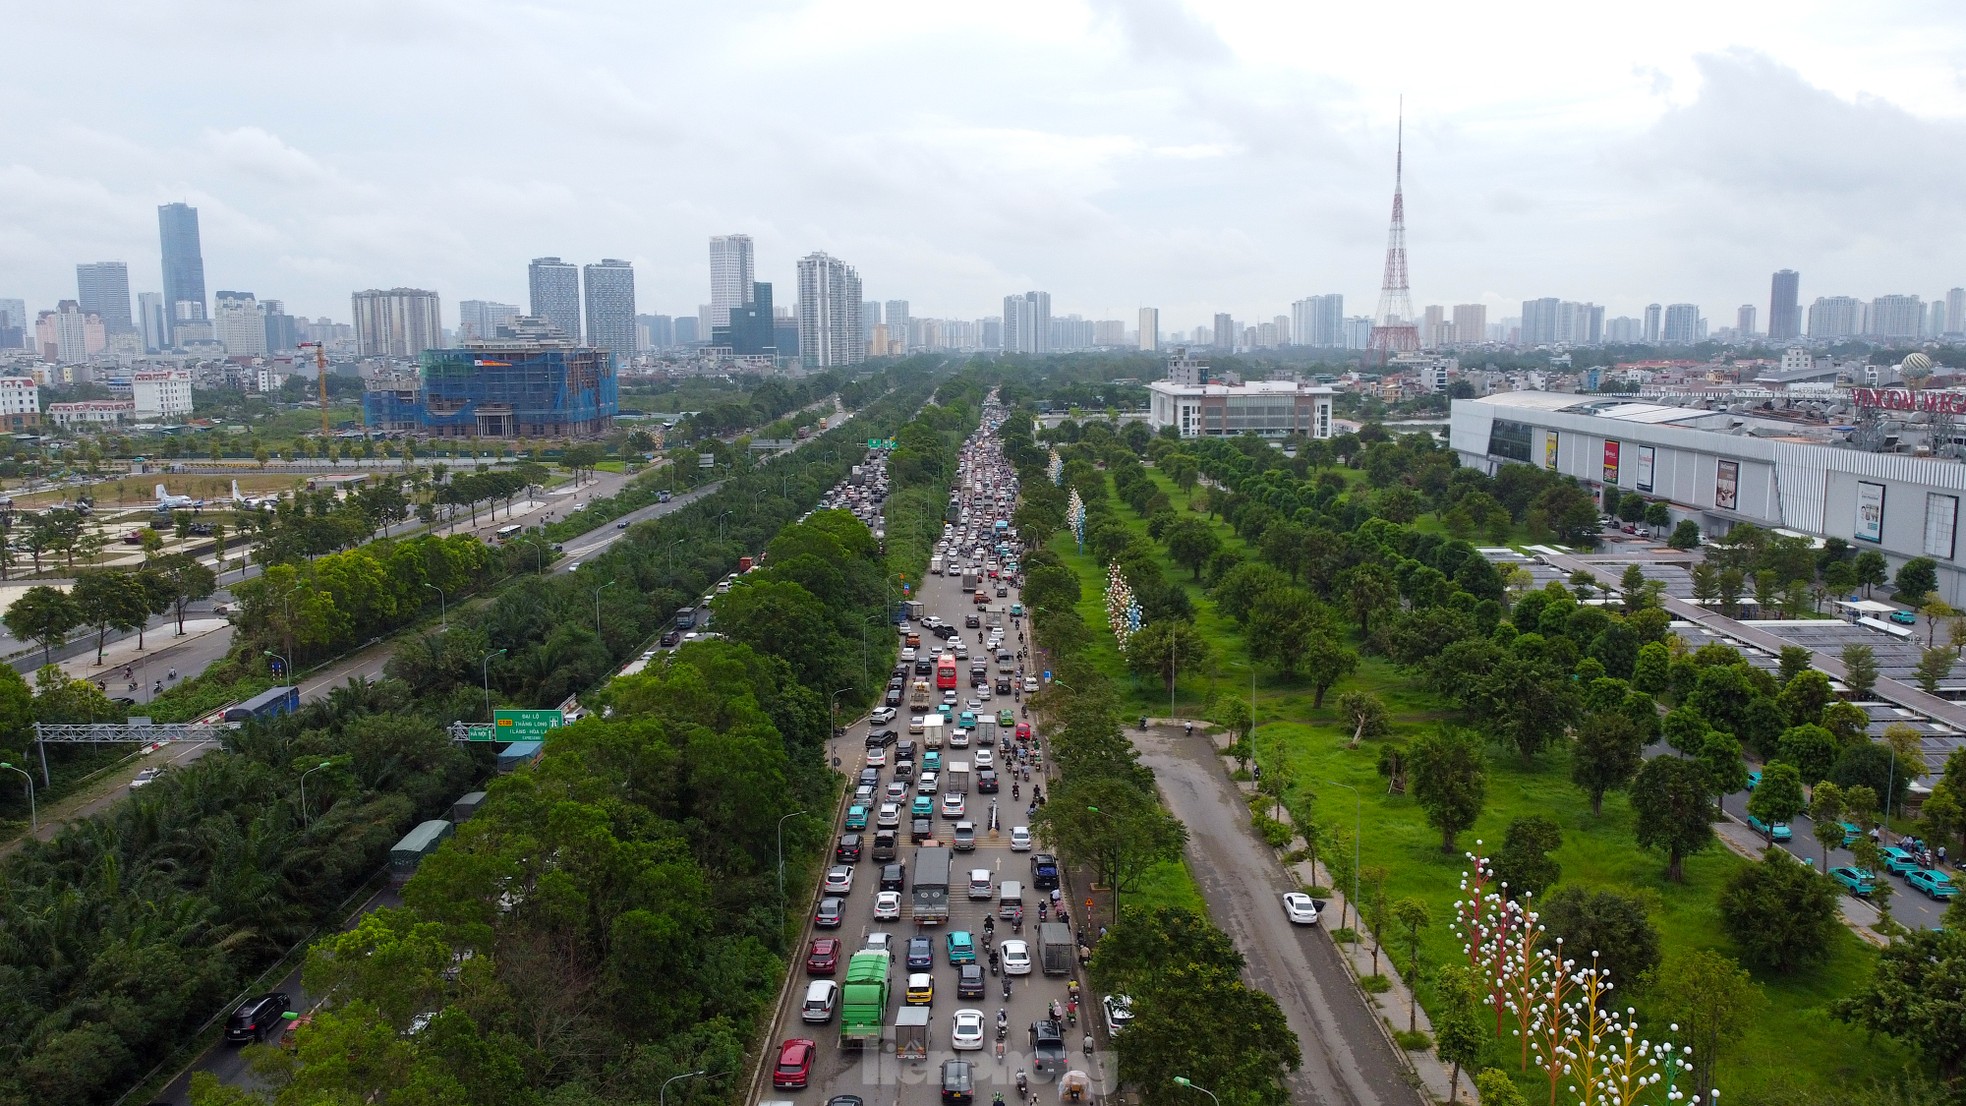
x=1549 y=449
x=1904 y=399
x=1727 y=485
x=1870 y=512
x=1610 y=462
x=1646 y=459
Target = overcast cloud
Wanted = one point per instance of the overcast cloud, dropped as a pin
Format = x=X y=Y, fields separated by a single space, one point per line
x=1213 y=155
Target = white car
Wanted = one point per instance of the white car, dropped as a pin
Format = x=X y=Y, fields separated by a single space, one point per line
x=887 y=906
x=1119 y=1013
x=1020 y=839
x=986 y=757
x=145 y=778
x=881 y=716
x=1030 y=683
x=1299 y=908
x=839 y=879
x=877 y=758
x=1016 y=957
x=878 y=941
x=966 y=1033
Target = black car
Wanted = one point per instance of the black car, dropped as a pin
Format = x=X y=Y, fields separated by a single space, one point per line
x=986 y=780
x=894 y=877
x=924 y=667
x=1047 y=1048
x=870 y=777
x=893 y=697
x=920 y=830
x=958 y=1085
x=881 y=739
x=969 y=982
x=256 y=1019
x=848 y=849
x=1044 y=871
x=671 y=638
x=921 y=953
x=973 y=622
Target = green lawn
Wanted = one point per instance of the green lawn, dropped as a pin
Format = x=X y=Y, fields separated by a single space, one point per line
x=1797 y=1046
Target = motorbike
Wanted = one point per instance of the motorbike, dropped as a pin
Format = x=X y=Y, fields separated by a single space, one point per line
x=1006 y=988
x=1003 y=1023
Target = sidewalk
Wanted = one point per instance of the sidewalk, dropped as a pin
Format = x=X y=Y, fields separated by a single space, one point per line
x=123 y=651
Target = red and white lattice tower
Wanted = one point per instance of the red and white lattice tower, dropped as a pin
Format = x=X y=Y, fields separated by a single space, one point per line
x=1393 y=328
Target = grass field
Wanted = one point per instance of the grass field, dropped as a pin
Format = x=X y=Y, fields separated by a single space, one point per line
x=1795 y=1045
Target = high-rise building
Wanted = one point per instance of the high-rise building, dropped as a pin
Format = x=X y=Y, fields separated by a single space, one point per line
x=1356 y=332
x=184 y=265
x=1682 y=324
x=732 y=275
x=1109 y=332
x=655 y=332
x=1623 y=330
x=896 y=318
x=533 y=381
x=751 y=331
x=1027 y=323
x=1225 y=332
x=830 y=330
x=870 y=316
x=399 y=322
x=15 y=331
x=610 y=297
x=1653 y=317
x=1284 y=329
x=68 y=335
x=1150 y=329
x=104 y=291
x=1470 y=324
x=1784 y=306
x=1539 y=321
x=555 y=293
x=1433 y=317
x=1956 y=311
x=153 y=322
x=1836 y=317
x=482 y=318
x=687 y=329
x=1744 y=322
x=1896 y=316
x=282 y=329
x=1319 y=321
x=237 y=324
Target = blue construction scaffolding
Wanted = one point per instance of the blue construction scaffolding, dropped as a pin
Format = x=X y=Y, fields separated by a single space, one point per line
x=501 y=389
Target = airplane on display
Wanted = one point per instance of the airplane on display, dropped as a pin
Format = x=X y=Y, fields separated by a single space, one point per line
x=168 y=502
x=253 y=503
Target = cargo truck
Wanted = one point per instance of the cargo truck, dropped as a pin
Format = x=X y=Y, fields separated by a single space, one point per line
x=932 y=731
x=863 y=1000
x=931 y=893
x=957 y=779
x=986 y=732
x=971 y=580
x=1055 y=948
x=935 y=564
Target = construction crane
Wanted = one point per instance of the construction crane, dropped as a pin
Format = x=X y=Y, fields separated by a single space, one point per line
x=321 y=369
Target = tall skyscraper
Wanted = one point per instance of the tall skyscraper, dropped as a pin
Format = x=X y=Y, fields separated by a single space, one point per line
x=751 y=331
x=896 y=313
x=1653 y=318
x=1896 y=317
x=184 y=264
x=104 y=291
x=399 y=322
x=1744 y=322
x=686 y=329
x=655 y=331
x=238 y=325
x=870 y=316
x=1682 y=324
x=1539 y=321
x=282 y=329
x=1836 y=317
x=1319 y=321
x=152 y=322
x=610 y=289
x=732 y=275
x=1936 y=317
x=830 y=332
x=1150 y=329
x=1433 y=320
x=482 y=318
x=1956 y=311
x=555 y=288
x=1225 y=332
x=1027 y=323
x=1784 y=306
x=15 y=330
x=1470 y=324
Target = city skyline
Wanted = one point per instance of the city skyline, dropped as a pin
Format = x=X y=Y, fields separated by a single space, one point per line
x=1267 y=170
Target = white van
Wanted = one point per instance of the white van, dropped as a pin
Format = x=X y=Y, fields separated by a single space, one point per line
x=821 y=995
x=1010 y=898
x=981 y=886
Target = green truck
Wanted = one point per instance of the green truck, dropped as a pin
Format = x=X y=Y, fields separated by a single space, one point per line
x=863 y=1001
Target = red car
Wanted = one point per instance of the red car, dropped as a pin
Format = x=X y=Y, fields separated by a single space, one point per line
x=794 y=1064
x=824 y=958
x=1023 y=731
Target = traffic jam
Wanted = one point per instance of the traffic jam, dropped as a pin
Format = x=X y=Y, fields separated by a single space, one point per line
x=942 y=956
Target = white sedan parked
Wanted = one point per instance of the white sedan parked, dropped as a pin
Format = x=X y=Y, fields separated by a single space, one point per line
x=1299 y=908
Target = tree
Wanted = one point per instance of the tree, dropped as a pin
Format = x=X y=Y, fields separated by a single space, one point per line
x=1713 y=1001
x=1780 y=913
x=1448 y=780
x=1365 y=714
x=1672 y=811
x=1859 y=670
x=1871 y=568
x=1653 y=672
x=1114 y=826
x=1874 y=767
x=1496 y=1087
x=1329 y=661
x=1191 y=542
x=1460 y=1032
x=1523 y=863
x=1778 y=798
x=1609 y=749
x=1372 y=589
x=110 y=601
x=187 y=580
x=1686 y=535
x=1613 y=925
x=1411 y=917
x=1917 y=994
x=1916 y=579
x=1934 y=665
x=1812 y=749
x=1281 y=625
x=1804 y=695
x=43 y=614
x=1165 y=649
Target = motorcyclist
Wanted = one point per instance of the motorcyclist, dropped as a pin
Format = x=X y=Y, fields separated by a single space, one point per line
x=989 y=924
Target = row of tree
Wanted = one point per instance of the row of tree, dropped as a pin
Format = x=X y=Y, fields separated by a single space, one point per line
x=103 y=600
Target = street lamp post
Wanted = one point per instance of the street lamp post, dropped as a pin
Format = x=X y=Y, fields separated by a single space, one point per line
x=833 y=707
x=662 y=1096
x=720 y=525
x=1184 y=1081
x=1358 y=823
x=672 y=554
x=484 y=673
x=304 y=819
x=443 y=605
x=286 y=666
x=33 y=813
x=597 y=606
x=781 y=860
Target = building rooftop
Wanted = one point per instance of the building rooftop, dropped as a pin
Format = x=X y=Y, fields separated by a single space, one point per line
x=1243 y=388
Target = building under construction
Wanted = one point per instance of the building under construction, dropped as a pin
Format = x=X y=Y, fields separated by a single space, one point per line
x=530 y=382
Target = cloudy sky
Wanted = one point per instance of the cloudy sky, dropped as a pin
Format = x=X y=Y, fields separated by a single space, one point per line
x=1212 y=155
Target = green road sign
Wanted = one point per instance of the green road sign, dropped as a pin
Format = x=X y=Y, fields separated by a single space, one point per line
x=525 y=725
x=880 y=443
x=481 y=732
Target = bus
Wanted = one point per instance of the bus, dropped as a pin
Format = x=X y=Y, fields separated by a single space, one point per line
x=267 y=704
x=507 y=533
x=686 y=618
x=945 y=672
